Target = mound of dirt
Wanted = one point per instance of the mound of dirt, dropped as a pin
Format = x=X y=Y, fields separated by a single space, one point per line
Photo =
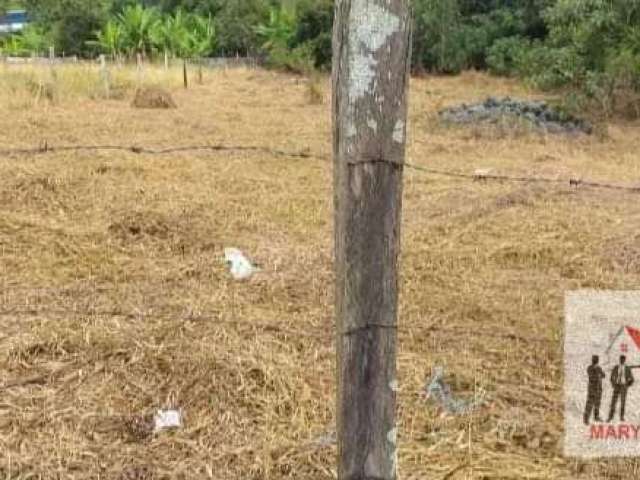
x=153 y=97
x=537 y=113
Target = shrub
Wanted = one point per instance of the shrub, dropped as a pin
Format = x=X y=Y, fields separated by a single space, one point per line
x=549 y=68
x=505 y=57
x=235 y=23
x=314 y=27
x=297 y=60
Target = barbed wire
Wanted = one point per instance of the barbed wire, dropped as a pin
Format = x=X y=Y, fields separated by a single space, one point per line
x=14 y=309
x=575 y=182
x=45 y=148
x=165 y=315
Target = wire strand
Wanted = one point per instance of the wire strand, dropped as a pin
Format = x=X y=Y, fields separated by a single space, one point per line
x=45 y=148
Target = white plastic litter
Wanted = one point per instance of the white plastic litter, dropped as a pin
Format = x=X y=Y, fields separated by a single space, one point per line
x=481 y=173
x=440 y=392
x=325 y=440
x=165 y=419
x=240 y=266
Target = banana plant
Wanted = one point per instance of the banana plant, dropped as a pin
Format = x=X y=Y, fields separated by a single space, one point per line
x=279 y=30
x=170 y=35
x=13 y=46
x=202 y=35
x=110 y=39
x=137 y=23
x=201 y=39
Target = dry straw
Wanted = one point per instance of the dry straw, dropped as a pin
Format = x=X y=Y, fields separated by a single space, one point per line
x=116 y=301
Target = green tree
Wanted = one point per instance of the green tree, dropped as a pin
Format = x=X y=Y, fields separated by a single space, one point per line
x=438 y=35
x=314 y=27
x=235 y=23
x=70 y=23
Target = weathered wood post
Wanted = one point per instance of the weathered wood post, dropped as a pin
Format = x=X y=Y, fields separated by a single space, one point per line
x=371 y=60
x=140 y=69
x=185 y=77
x=104 y=75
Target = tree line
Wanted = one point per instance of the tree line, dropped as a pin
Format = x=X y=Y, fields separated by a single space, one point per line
x=587 y=46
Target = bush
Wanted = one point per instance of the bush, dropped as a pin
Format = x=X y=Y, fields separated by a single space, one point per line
x=235 y=25
x=69 y=24
x=505 y=57
x=314 y=27
x=548 y=68
x=297 y=60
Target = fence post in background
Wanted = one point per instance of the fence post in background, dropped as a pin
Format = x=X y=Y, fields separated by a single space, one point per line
x=184 y=73
x=371 y=48
x=140 y=69
x=104 y=75
x=52 y=70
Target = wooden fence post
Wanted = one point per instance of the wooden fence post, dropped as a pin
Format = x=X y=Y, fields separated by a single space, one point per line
x=185 y=77
x=104 y=75
x=140 y=69
x=371 y=60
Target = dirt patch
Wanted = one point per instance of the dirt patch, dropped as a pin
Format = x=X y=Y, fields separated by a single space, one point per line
x=153 y=97
x=141 y=224
x=180 y=232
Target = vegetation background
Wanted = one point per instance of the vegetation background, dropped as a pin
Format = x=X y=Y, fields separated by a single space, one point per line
x=591 y=48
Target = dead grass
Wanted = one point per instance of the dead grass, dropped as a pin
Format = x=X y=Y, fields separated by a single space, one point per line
x=32 y=85
x=115 y=301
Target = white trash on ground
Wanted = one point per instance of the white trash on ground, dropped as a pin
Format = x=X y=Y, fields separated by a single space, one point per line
x=325 y=440
x=440 y=393
x=165 y=419
x=481 y=173
x=240 y=266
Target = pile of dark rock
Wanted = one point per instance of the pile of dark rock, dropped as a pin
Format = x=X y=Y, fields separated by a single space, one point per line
x=538 y=114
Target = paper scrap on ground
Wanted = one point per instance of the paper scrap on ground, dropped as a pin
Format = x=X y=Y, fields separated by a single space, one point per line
x=440 y=392
x=325 y=440
x=240 y=266
x=165 y=419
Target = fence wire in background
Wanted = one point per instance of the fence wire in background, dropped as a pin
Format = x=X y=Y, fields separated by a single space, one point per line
x=476 y=175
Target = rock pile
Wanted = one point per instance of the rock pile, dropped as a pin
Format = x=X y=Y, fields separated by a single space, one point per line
x=536 y=113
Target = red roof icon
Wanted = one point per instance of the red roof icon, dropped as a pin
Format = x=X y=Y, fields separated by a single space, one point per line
x=626 y=341
x=634 y=333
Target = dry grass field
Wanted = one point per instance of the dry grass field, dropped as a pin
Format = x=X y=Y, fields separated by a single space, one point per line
x=115 y=301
